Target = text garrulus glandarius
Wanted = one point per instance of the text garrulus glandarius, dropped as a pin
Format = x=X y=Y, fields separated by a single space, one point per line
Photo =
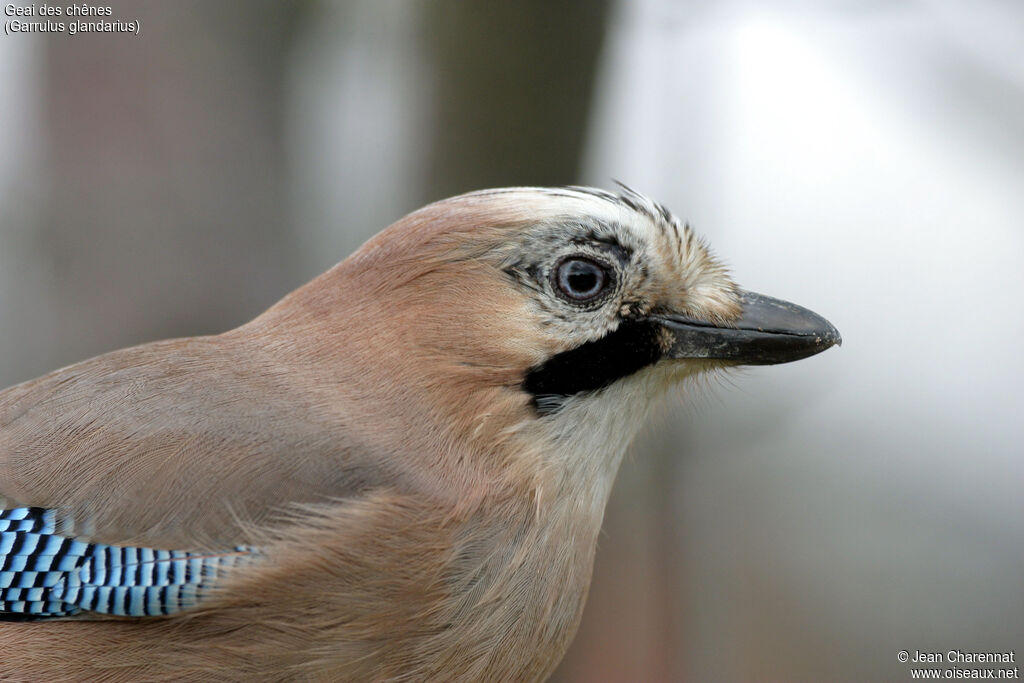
x=397 y=472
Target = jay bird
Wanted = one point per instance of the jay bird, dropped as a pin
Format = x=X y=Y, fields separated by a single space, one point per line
x=398 y=472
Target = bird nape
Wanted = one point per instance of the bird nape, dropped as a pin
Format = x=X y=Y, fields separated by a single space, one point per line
x=399 y=471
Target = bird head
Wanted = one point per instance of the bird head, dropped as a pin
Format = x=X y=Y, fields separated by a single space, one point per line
x=564 y=310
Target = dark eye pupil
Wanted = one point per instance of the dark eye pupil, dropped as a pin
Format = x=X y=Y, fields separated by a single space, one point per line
x=582 y=282
x=580 y=279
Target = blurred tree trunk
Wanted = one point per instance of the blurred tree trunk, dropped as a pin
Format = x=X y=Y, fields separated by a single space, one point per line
x=182 y=124
x=514 y=83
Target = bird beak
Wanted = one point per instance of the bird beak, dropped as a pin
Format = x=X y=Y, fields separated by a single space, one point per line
x=769 y=331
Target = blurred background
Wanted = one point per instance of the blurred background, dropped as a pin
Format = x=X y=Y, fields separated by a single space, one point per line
x=863 y=158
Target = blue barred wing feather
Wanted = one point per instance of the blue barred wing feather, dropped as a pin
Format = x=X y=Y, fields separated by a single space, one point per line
x=46 y=575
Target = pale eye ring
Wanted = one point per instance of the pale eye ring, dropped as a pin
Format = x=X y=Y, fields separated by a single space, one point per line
x=581 y=280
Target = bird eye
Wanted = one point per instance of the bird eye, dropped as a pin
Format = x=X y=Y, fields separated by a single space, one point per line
x=580 y=279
